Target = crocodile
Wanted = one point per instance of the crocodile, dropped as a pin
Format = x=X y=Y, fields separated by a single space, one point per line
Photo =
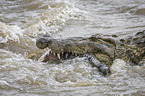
x=100 y=49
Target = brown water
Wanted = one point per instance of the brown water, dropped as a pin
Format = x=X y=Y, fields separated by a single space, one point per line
x=22 y=21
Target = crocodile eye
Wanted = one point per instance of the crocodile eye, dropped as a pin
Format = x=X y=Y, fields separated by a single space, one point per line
x=122 y=40
x=135 y=38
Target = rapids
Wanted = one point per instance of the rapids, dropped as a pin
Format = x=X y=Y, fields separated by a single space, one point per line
x=22 y=21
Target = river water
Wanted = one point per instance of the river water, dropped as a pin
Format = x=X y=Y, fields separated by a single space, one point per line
x=22 y=21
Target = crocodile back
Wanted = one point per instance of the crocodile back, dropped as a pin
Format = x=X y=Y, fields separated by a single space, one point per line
x=131 y=49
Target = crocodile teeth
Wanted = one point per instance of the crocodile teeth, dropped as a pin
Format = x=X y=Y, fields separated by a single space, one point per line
x=66 y=55
x=58 y=55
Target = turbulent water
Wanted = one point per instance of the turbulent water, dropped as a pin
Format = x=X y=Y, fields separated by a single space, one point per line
x=22 y=21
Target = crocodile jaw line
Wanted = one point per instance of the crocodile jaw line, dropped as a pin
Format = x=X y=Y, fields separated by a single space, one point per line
x=52 y=56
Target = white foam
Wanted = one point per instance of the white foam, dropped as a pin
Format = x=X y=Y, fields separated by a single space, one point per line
x=118 y=66
x=8 y=32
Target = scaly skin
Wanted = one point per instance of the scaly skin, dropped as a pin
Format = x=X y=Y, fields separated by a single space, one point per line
x=104 y=48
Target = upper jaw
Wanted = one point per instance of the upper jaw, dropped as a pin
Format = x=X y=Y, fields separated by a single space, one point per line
x=59 y=49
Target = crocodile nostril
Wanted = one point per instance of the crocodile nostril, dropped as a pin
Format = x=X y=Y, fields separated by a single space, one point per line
x=41 y=43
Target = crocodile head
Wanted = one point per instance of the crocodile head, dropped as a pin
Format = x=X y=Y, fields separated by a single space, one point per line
x=71 y=48
x=59 y=49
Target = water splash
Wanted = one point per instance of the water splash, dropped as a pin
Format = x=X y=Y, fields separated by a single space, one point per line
x=8 y=32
